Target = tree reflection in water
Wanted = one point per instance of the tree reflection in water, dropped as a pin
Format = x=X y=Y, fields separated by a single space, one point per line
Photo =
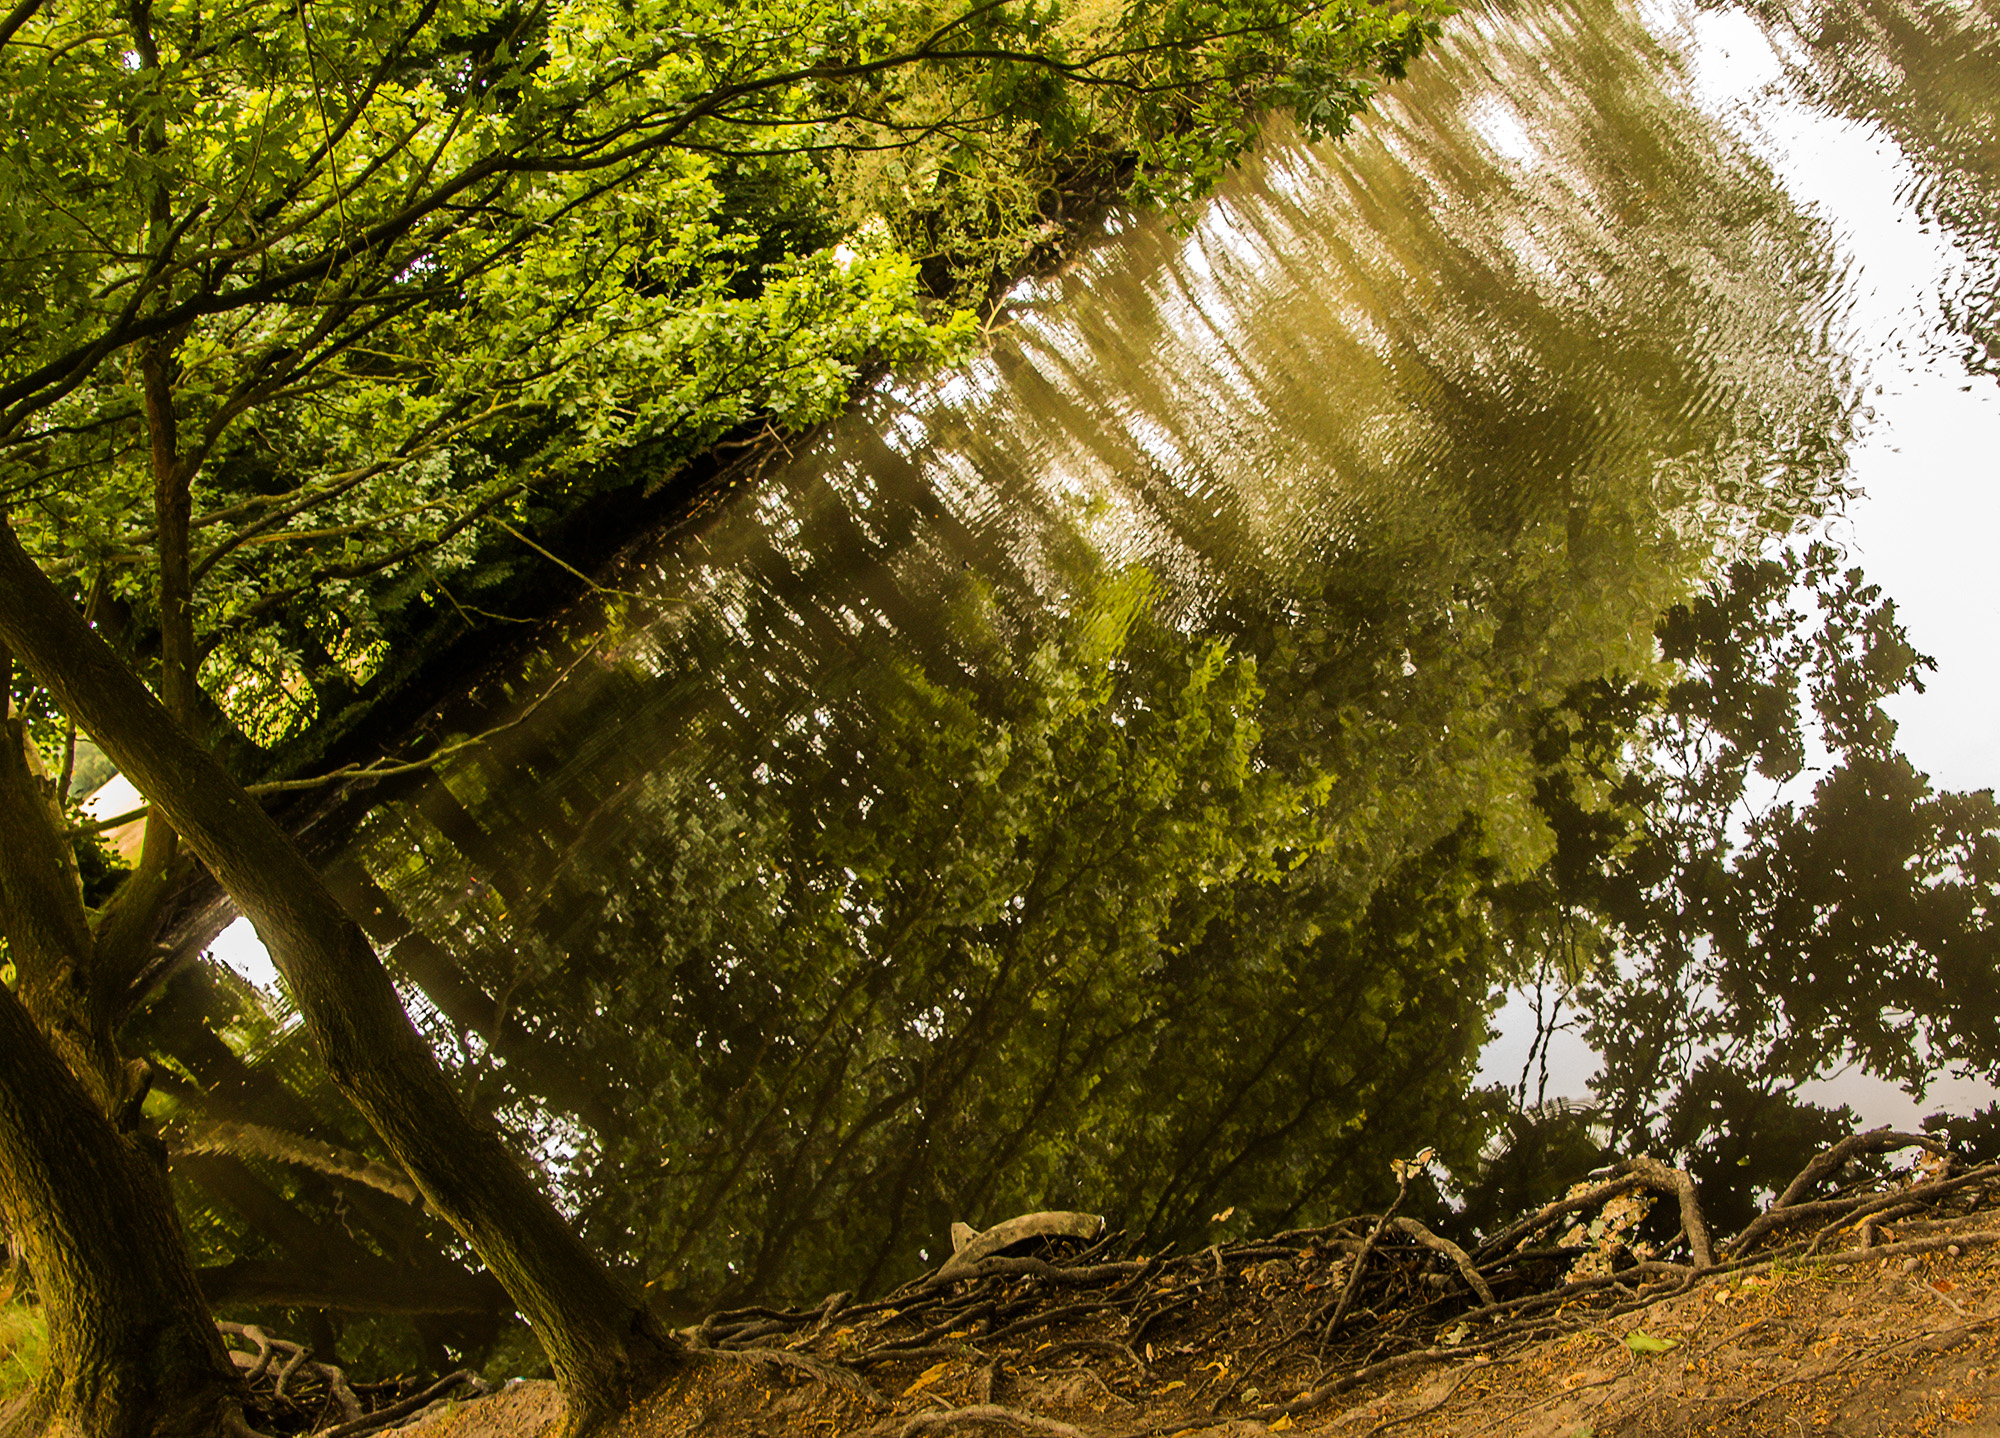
x=1779 y=892
x=1128 y=780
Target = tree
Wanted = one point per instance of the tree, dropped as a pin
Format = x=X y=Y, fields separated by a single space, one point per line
x=303 y=266
x=647 y=877
x=328 y=254
x=1761 y=934
x=917 y=940
x=599 y=1340
x=82 y=1190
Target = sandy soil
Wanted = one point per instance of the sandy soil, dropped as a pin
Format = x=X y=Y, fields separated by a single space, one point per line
x=1861 y=1346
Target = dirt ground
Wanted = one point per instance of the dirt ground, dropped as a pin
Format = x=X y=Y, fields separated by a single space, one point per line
x=1861 y=1343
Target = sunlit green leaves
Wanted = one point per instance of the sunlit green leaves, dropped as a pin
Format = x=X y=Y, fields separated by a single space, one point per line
x=416 y=278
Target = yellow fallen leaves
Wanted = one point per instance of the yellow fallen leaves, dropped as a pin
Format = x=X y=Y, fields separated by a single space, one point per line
x=929 y=1376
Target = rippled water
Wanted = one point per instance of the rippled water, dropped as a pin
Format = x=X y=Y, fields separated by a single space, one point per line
x=1115 y=775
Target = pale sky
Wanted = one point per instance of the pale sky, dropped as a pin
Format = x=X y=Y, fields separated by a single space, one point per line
x=1928 y=463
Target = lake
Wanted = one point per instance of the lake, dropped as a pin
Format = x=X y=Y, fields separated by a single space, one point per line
x=1354 y=668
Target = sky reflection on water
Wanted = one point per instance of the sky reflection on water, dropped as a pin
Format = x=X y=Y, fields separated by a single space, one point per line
x=1925 y=465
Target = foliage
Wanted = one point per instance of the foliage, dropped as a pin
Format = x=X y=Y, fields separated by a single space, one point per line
x=836 y=756
x=388 y=288
x=1764 y=934
x=821 y=962
x=943 y=949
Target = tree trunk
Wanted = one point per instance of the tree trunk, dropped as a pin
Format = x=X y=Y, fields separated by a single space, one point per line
x=47 y=930
x=131 y=1352
x=601 y=1343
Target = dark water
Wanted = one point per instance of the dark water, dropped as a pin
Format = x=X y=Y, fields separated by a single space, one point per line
x=1130 y=774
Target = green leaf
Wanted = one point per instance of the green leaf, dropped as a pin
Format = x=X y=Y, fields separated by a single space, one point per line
x=1640 y=1341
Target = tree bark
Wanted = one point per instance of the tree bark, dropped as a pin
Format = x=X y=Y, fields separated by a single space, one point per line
x=82 y=1178
x=47 y=930
x=131 y=1351
x=601 y=1343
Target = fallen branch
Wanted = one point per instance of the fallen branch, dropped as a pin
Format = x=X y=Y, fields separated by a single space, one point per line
x=1052 y=1224
x=1450 y=1250
x=1034 y=1268
x=1353 y=1285
x=1854 y=1206
x=1657 y=1176
x=1875 y=1140
x=265 y=1348
x=1549 y=1215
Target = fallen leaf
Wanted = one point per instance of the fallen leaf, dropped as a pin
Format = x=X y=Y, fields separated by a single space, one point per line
x=929 y=1376
x=1281 y=1425
x=1177 y=1383
x=1640 y=1341
x=1224 y=1216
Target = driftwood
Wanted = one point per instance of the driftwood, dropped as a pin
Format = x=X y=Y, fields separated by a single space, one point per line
x=967 y=1254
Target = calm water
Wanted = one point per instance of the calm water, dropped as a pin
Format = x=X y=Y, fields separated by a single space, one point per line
x=1134 y=772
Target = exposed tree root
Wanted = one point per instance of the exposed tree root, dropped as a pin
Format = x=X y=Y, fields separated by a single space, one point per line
x=288 y=1391
x=1082 y=1339
x=830 y=1374
x=1311 y=1314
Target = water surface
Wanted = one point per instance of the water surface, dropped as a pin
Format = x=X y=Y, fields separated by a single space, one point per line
x=1131 y=772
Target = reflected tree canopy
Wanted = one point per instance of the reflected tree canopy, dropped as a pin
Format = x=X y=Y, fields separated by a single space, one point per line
x=1780 y=892
x=1128 y=775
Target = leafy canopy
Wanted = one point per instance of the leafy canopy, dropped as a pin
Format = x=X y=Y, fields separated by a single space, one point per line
x=403 y=281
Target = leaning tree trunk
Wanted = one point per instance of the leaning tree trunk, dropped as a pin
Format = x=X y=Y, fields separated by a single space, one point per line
x=132 y=1352
x=602 y=1345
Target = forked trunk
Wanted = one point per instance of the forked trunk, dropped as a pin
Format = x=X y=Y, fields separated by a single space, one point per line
x=132 y=1352
x=601 y=1343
